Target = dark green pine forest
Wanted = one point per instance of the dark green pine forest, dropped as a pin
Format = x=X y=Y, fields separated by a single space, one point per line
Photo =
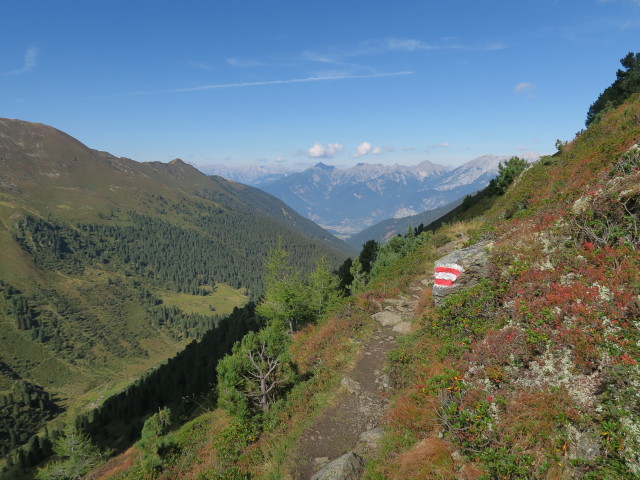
x=122 y=284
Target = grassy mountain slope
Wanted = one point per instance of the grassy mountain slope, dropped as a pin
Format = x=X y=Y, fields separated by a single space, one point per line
x=531 y=374
x=258 y=201
x=109 y=266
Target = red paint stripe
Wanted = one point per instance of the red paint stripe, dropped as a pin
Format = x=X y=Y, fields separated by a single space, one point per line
x=443 y=282
x=448 y=270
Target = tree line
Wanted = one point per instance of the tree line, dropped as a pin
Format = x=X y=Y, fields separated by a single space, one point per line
x=627 y=83
x=215 y=246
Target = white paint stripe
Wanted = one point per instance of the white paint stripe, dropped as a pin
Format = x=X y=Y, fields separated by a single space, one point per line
x=446 y=276
x=454 y=266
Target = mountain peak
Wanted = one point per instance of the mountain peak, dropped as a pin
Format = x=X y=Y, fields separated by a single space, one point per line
x=427 y=166
x=323 y=166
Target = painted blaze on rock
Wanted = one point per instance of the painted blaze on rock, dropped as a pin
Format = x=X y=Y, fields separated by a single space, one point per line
x=460 y=269
x=445 y=275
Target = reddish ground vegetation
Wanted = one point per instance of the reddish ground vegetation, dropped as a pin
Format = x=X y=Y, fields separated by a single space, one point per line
x=429 y=458
x=539 y=380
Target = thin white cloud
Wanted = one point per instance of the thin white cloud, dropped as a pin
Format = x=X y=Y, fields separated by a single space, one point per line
x=243 y=63
x=29 y=62
x=493 y=46
x=392 y=44
x=408 y=149
x=525 y=88
x=383 y=45
x=372 y=47
x=327 y=78
x=406 y=45
x=200 y=65
x=320 y=150
x=627 y=25
x=440 y=145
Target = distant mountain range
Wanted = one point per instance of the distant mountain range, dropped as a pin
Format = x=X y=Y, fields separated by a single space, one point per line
x=347 y=201
x=254 y=175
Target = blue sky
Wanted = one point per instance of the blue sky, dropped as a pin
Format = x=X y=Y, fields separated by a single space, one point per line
x=296 y=82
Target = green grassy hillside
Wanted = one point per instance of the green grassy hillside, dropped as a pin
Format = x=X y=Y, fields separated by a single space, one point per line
x=109 y=266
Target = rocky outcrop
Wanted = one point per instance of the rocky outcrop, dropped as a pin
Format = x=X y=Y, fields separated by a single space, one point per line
x=471 y=265
x=350 y=466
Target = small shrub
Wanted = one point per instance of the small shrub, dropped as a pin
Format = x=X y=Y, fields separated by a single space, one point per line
x=505 y=347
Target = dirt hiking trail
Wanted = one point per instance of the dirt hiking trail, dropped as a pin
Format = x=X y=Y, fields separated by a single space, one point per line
x=353 y=421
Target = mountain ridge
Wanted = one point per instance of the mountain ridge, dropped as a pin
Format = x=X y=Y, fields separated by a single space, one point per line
x=109 y=266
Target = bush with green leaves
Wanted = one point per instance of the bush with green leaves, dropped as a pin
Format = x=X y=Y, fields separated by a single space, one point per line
x=396 y=248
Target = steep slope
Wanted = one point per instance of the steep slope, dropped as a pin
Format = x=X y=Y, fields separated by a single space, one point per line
x=530 y=371
x=348 y=200
x=109 y=266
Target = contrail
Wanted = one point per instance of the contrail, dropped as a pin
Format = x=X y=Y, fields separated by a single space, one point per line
x=272 y=82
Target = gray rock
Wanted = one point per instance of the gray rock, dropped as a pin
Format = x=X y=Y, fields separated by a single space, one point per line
x=384 y=382
x=585 y=445
x=350 y=466
x=387 y=318
x=350 y=385
x=402 y=328
x=372 y=437
x=398 y=302
x=474 y=265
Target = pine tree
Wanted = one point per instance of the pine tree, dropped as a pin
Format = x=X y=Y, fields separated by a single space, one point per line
x=286 y=298
x=507 y=173
x=626 y=84
x=323 y=289
x=153 y=441
x=257 y=371
x=359 y=277
x=77 y=455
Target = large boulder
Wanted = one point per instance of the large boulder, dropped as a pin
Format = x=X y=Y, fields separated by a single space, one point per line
x=460 y=269
x=350 y=466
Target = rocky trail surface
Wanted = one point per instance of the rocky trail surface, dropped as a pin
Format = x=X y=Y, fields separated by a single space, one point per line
x=348 y=431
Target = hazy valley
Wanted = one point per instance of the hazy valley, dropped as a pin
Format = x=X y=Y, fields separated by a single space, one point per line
x=346 y=201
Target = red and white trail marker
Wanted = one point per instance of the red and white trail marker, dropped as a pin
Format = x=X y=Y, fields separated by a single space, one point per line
x=446 y=275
